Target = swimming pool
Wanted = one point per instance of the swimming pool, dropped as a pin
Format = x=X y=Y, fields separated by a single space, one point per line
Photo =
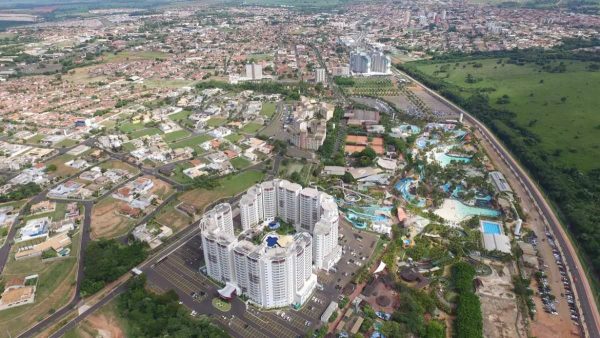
x=492 y=228
x=404 y=186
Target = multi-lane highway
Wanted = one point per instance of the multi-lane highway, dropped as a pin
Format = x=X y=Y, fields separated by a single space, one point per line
x=587 y=304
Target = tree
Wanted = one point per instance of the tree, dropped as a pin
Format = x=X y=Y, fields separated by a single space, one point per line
x=393 y=329
x=435 y=329
x=348 y=178
x=51 y=167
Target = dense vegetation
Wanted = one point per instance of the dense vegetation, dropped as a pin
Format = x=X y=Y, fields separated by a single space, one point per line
x=152 y=315
x=107 y=260
x=327 y=150
x=21 y=192
x=409 y=320
x=469 y=321
x=574 y=192
x=289 y=91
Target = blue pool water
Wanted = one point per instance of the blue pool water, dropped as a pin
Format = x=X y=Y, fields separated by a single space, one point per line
x=403 y=186
x=371 y=213
x=491 y=228
x=463 y=211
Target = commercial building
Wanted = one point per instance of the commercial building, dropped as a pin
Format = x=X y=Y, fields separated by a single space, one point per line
x=279 y=270
x=308 y=135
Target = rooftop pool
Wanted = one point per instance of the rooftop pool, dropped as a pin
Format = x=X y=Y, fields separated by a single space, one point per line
x=492 y=228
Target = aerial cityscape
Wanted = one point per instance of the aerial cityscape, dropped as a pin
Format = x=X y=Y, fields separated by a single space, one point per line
x=308 y=168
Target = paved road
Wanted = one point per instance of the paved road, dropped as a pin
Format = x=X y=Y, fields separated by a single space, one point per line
x=587 y=303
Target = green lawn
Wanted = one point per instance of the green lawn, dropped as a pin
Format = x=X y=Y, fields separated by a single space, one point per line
x=66 y=143
x=129 y=147
x=130 y=127
x=232 y=185
x=240 y=163
x=57 y=215
x=251 y=128
x=144 y=132
x=176 y=135
x=191 y=141
x=560 y=108
x=182 y=115
x=216 y=122
x=268 y=109
x=234 y=137
x=178 y=174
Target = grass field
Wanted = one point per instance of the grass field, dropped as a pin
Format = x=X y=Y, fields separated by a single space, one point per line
x=268 y=109
x=176 y=135
x=57 y=215
x=251 y=128
x=216 y=122
x=130 y=127
x=235 y=137
x=194 y=141
x=55 y=285
x=240 y=163
x=560 y=108
x=229 y=186
x=182 y=115
x=144 y=132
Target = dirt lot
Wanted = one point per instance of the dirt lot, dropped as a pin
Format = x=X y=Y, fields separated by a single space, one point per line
x=104 y=323
x=101 y=326
x=106 y=223
x=501 y=317
x=161 y=188
x=173 y=219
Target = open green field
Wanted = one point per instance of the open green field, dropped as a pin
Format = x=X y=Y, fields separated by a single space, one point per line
x=176 y=135
x=251 y=128
x=240 y=163
x=235 y=137
x=216 y=122
x=130 y=127
x=560 y=108
x=144 y=132
x=228 y=186
x=268 y=109
x=182 y=115
x=194 y=141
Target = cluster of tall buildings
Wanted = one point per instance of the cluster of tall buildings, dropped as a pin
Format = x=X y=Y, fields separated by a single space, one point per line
x=278 y=271
x=308 y=135
x=375 y=62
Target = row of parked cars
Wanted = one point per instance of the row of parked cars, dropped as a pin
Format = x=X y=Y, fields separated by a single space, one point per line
x=544 y=288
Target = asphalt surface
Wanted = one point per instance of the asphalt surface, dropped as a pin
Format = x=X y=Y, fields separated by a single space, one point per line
x=586 y=301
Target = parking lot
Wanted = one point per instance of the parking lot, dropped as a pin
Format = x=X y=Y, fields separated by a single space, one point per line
x=180 y=271
x=549 y=297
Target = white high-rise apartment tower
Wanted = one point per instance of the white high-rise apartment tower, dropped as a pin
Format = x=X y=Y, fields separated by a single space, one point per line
x=254 y=71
